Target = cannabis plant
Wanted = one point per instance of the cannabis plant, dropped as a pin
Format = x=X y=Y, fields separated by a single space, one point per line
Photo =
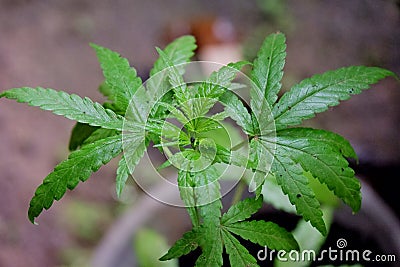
x=180 y=118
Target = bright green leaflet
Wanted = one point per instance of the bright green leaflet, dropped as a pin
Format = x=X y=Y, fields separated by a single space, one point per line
x=78 y=167
x=72 y=106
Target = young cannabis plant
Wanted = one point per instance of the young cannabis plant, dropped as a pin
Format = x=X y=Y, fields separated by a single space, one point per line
x=175 y=115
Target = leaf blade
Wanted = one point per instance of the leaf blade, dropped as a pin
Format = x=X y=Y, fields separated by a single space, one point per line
x=265 y=234
x=316 y=94
x=242 y=210
x=71 y=106
x=78 y=167
x=268 y=66
x=121 y=79
x=238 y=254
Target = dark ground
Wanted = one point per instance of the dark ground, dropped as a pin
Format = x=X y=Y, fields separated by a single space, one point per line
x=45 y=43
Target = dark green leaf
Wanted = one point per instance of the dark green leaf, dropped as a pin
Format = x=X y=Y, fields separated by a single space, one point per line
x=72 y=106
x=290 y=177
x=316 y=94
x=320 y=152
x=238 y=254
x=188 y=243
x=242 y=210
x=78 y=167
x=265 y=234
x=212 y=247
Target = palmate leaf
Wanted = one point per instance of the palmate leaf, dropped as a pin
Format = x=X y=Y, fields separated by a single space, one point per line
x=238 y=254
x=320 y=152
x=268 y=66
x=78 y=167
x=265 y=234
x=121 y=79
x=71 y=106
x=321 y=91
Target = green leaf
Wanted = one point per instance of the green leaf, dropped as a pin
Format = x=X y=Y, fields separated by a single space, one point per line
x=237 y=111
x=122 y=176
x=238 y=254
x=268 y=66
x=122 y=80
x=220 y=80
x=242 y=210
x=207 y=194
x=79 y=134
x=265 y=234
x=188 y=243
x=319 y=92
x=72 y=106
x=273 y=195
x=212 y=247
x=186 y=191
x=78 y=167
x=179 y=51
x=290 y=177
x=320 y=152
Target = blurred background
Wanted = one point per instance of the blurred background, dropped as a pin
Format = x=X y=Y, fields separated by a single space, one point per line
x=45 y=43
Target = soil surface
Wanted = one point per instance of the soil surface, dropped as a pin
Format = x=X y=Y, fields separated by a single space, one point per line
x=45 y=43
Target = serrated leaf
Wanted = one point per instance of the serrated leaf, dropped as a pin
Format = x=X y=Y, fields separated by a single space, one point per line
x=273 y=195
x=122 y=176
x=320 y=152
x=265 y=234
x=179 y=51
x=242 y=210
x=188 y=243
x=212 y=247
x=237 y=111
x=121 y=79
x=71 y=106
x=79 y=134
x=238 y=254
x=290 y=177
x=316 y=94
x=219 y=81
x=78 y=167
x=268 y=66
x=186 y=191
